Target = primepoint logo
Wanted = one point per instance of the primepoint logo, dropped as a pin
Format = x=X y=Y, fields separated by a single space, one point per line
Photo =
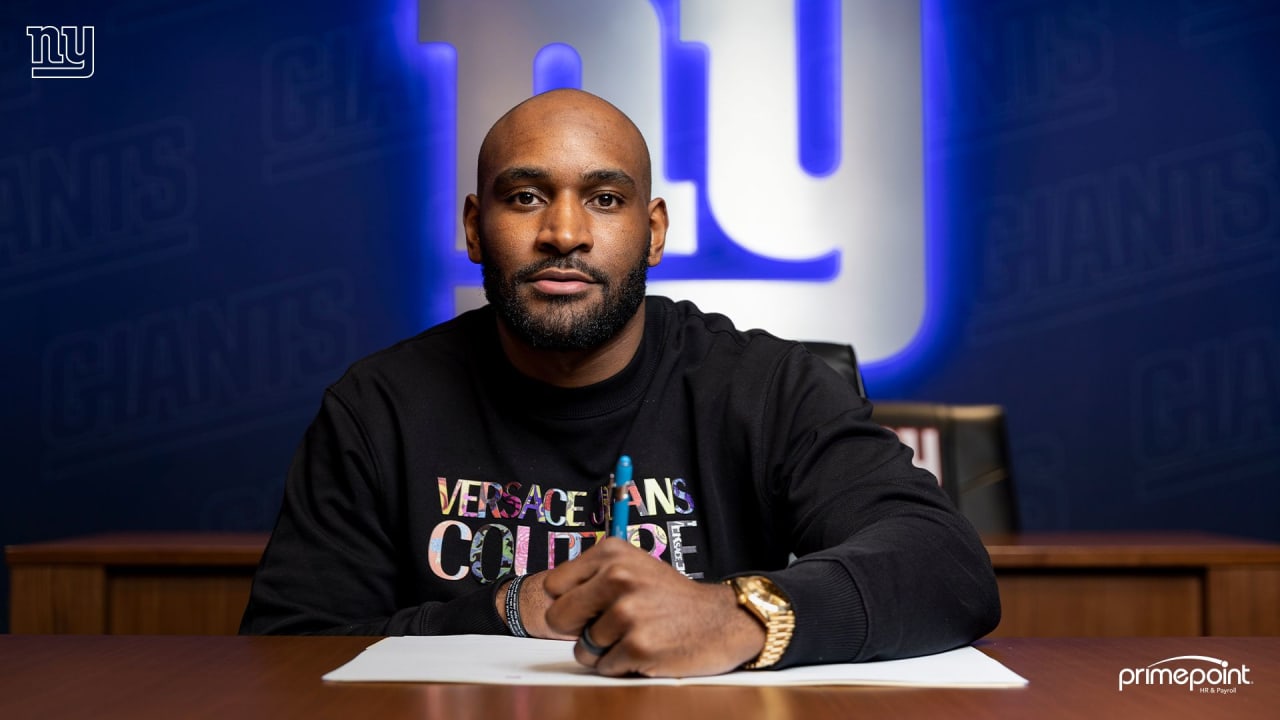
x=1219 y=677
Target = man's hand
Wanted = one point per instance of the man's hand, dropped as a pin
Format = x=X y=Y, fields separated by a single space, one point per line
x=651 y=619
x=533 y=608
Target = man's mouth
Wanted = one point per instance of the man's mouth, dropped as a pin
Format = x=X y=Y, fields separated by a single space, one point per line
x=554 y=281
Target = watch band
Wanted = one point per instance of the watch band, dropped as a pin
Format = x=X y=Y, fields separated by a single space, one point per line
x=777 y=637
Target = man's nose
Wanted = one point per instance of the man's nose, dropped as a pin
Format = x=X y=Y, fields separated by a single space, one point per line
x=565 y=228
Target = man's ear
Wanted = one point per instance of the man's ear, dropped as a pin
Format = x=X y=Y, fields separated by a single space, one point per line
x=471 y=227
x=658 y=223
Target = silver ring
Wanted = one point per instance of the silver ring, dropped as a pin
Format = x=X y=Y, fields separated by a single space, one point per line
x=589 y=645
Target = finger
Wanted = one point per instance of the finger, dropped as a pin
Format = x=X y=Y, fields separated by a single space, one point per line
x=593 y=596
x=571 y=612
x=589 y=648
x=602 y=644
x=566 y=576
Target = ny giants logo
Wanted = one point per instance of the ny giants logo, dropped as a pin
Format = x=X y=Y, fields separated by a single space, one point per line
x=787 y=139
x=61 y=52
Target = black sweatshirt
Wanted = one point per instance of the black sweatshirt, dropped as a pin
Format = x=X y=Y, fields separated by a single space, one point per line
x=434 y=469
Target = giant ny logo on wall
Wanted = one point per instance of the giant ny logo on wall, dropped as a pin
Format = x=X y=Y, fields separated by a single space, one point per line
x=787 y=140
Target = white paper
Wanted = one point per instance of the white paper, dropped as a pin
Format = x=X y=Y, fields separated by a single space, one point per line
x=495 y=659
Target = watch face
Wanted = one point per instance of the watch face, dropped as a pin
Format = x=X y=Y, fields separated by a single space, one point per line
x=768 y=606
x=765 y=596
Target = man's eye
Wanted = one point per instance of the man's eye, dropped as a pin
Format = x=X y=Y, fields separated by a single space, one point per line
x=608 y=200
x=525 y=198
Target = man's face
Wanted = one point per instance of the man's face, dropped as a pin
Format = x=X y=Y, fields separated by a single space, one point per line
x=562 y=224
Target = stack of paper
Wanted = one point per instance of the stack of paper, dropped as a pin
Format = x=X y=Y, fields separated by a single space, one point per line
x=495 y=659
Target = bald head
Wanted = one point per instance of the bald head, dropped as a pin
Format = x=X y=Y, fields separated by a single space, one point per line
x=562 y=117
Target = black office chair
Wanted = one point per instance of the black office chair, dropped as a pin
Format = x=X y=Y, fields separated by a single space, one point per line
x=965 y=446
x=840 y=356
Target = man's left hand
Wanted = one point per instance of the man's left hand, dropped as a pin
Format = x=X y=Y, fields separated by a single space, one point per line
x=650 y=619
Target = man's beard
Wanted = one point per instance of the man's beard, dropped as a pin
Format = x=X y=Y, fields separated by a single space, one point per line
x=564 y=325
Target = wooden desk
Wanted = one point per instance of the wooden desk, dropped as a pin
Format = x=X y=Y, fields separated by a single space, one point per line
x=140 y=677
x=139 y=583
x=1069 y=584
x=1131 y=584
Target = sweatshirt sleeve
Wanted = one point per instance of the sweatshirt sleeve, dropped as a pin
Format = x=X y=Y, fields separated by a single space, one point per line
x=886 y=566
x=333 y=564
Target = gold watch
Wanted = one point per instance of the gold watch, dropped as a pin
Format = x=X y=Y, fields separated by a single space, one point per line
x=766 y=601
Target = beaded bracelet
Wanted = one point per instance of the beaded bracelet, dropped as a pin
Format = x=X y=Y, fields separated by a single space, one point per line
x=513 y=607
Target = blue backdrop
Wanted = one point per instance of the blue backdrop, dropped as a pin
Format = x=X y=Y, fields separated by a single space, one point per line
x=187 y=257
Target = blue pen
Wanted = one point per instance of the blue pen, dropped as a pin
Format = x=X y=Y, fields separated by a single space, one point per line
x=621 y=498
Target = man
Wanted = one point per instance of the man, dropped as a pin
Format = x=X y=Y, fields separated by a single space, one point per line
x=456 y=482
